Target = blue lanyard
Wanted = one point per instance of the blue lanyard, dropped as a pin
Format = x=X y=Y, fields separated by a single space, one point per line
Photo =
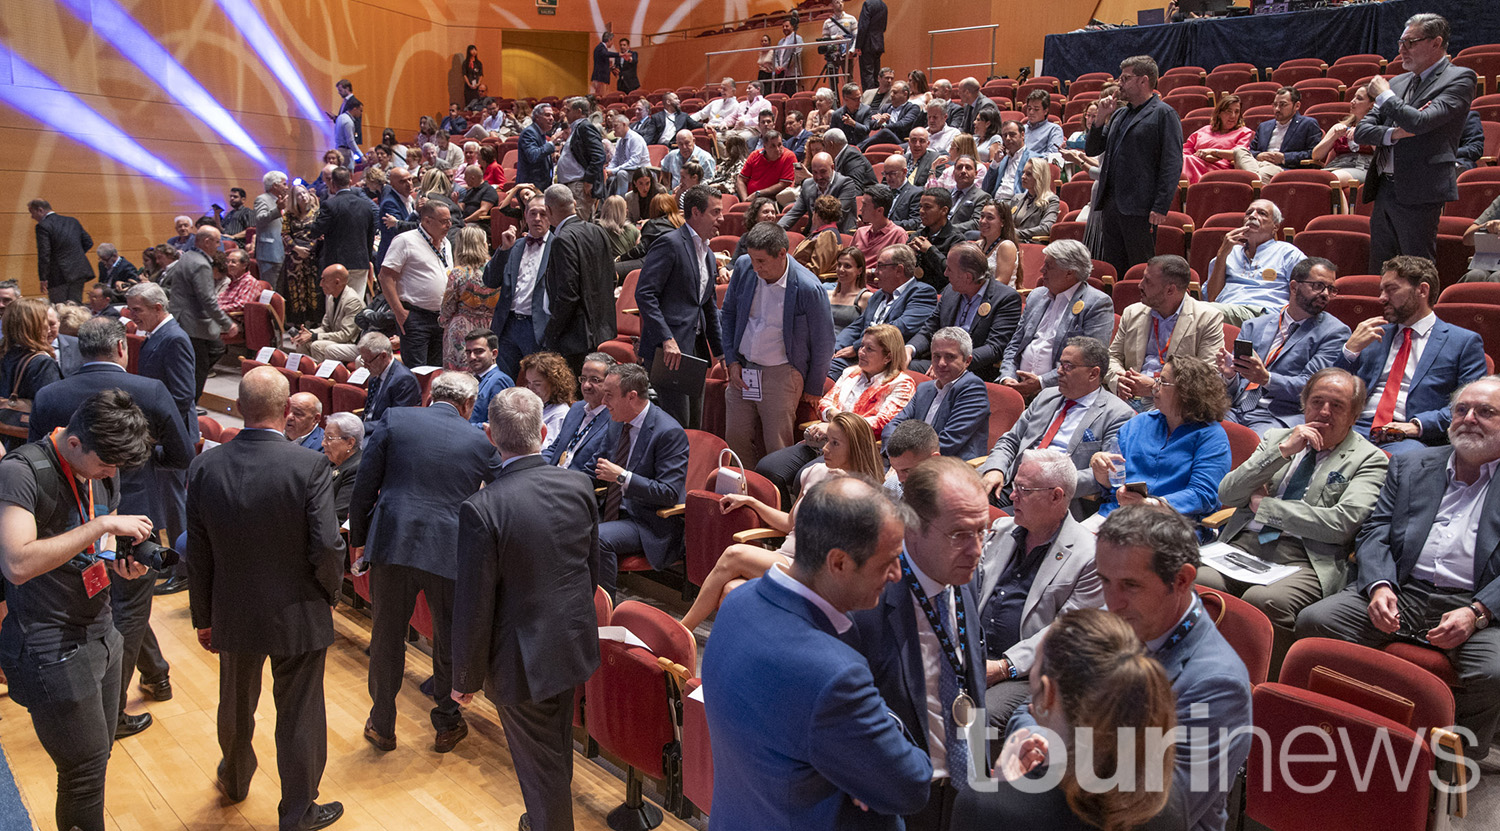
x=1182 y=629
x=938 y=627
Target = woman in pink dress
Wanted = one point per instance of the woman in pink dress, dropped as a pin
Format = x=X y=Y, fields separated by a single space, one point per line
x=1212 y=147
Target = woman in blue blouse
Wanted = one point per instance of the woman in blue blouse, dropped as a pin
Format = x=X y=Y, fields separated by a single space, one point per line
x=1178 y=449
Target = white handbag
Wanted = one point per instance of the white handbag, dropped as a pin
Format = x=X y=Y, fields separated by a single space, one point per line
x=730 y=479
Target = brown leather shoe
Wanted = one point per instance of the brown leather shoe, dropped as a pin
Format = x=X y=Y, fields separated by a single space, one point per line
x=448 y=739
x=384 y=744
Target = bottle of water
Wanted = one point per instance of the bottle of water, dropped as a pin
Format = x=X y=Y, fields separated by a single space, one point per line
x=1117 y=474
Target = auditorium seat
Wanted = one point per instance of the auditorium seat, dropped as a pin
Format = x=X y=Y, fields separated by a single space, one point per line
x=1077 y=193
x=1481 y=318
x=1349 y=251
x=1352 y=72
x=1352 y=309
x=1247 y=629
x=1169 y=83
x=1297 y=69
x=710 y=530
x=1232 y=175
x=1488 y=107
x=1242 y=442
x=1006 y=406
x=1185 y=102
x=1319 y=91
x=724 y=243
x=1204 y=247
x=1224 y=81
x=1256 y=94
x=1204 y=199
x=627 y=323
x=348 y=398
x=1486 y=65
x=1341 y=222
x=1125 y=293
x=1361 y=285
x=1300 y=202
x=1473 y=198
x=264 y=323
x=209 y=428
x=697 y=751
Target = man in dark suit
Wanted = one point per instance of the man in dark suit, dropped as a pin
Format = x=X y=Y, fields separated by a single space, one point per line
x=346 y=227
x=823 y=181
x=869 y=41
x=931 y=617
x=934 y=236
x=391 y=384
x=802 y=735
x=342 y=437
x=1282 y=142
x=62 y=247
x=905 y=196
x=1410 y=392
x=195 y=305
x=1415 y=128
x=848 y=161
x=644 y=468
x=398 y=212
x=852 y=119
x=902 y=301
x=535 y=150
x=920 y=156
x=403 y=522
x=293 y=567
x=1142 y=164
x=525 y=629
x=954 y=402
x=665 y=124
x=579 y=281
x=580 y=164
x=167 y=356
x=114 y=270
x=679 y=312
x=101 y=344
x=968 y=199
x=987 y=309
x=517 y=269
x=581 y=437
x=970 y=100
x=1428 y=558
x=894 y=120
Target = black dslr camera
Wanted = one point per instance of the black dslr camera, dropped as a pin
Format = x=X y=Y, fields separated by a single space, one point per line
x=147 y=552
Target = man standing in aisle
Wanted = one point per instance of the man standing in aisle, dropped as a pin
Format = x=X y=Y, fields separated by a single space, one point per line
x=62 y=247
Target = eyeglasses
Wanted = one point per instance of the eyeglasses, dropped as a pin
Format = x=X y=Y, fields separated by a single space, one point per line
x=1067 y=366
x=1160 y=383
x=1315 y=286
x=1407 y=43
x=1019 y=489
x=958 y=539
x=1483 y=412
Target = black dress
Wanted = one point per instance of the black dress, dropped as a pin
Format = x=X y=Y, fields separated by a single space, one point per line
x=42 y=371
x=473 y=72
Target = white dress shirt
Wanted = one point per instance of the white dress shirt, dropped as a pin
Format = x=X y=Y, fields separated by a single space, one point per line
x=779 y=575
x=1447 y=558
x=1071 y=421
x=1419 y=337
x=763 y=342
x=932 y=658
x=526 y=280
x=1037 y=357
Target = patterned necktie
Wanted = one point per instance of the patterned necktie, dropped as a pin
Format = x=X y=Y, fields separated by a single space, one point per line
x=955 y=744
x=614 y=495
x=1386 y=409
x=1296 y=488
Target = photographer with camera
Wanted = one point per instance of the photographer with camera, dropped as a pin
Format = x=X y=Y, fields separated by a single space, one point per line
x=58 y=648
x=839 y=32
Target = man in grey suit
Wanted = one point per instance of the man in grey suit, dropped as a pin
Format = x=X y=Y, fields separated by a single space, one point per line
x=62 y=246
x=1429 y=557
x=1289 y=345
x=269 y=252
x=525 y=629
x=1063 y=307
x=1299 y=500
x=1036 y=565
x=194 y=304
x=967 y=198
x=1075 y=417
x=823 y=182
x=1415 y=128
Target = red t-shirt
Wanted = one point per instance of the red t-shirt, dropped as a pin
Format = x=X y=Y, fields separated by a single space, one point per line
x=761 y=172
x=495 y=175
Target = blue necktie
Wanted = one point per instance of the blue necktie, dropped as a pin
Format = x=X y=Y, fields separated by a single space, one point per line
x=955 y=744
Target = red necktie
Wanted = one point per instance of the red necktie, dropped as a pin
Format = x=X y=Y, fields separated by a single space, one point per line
x=1056 y=425
x=1387 y=406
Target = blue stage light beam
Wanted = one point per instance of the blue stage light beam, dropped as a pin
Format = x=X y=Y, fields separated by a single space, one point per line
x=267 y=46
x=130 y=39
x=33 y=93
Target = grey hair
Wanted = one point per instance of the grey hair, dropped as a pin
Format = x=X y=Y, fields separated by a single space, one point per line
x=473 y=144
x=826 y=94
x=272 y=179
x=455 y=387
x=559 y=198
x=375 y=343
x=1071 y=255
x=1433 y=25
x=957 y=335
x=604 y=359
x=348 y=424
x=1093 y=350
x=1055 y=468
x=106 y=249
x=940 y=104
x=578 y=103
x=835 y=136
x=99 y=337
x=150 y=292
x=537 y=110
x=1275 y=211
x=516 y=421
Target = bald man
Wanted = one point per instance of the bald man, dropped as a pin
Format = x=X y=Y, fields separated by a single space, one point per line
x=302 y=422
x=335 y=338
x=824 y=181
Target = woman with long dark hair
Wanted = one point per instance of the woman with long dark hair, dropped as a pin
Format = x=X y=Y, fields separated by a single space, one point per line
x=473 y=74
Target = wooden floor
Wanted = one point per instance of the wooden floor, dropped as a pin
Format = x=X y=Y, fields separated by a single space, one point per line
x=163 y=778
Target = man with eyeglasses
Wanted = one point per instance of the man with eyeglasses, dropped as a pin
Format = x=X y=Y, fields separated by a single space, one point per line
x=413 y=279
x=1428 y=561
x=931 y=618
x=1415 y=128
x=1287 y=346
x=900 y=300
x=1038 y=563
x=1249 y=275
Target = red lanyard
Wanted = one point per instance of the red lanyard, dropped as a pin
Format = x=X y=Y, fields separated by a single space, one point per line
x=1281 y=341
x=1161 y=348
x=67 y=472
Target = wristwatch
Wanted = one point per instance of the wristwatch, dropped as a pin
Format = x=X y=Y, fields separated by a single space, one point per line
x=1481 y=617
x=620 y=479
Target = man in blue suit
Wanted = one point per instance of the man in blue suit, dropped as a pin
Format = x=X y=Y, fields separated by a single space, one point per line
x=954 y=402
x=391 y=384
x=643 y=464
x=902 y=301
x=581 y=438
x=536 y=153
x=777 y=326
x=480 y=347
x=802 y=738
x=987 y=309
x=1136 y=546
x=1411 y=362
x=517 y=269
x=1064 y=306
x=1289 y=346
x=679 y=309
x=931 y=617
x=101 y=343
x=398 y=213
x=408 y=518
x=1283 y=142
x=167 y=355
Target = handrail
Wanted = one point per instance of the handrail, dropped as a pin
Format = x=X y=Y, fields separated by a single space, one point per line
x=932 y=46
x=962 y=29
x=709 y=56
x=805 y=43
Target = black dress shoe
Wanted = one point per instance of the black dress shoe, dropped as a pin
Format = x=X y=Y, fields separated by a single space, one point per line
x=172 y=586
x=524 y=824
x=130 y=725
x=325 y=815
x=224 y=788
x=158 y=690
x=448 y=739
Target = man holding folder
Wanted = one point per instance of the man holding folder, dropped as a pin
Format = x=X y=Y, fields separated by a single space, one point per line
x=675 y=295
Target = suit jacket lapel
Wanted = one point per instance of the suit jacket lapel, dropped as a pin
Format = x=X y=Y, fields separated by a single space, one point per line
x=1052 y=562
x=1091 y=417
x=1488 y=539
x=1436 y=340
x=1426 y=500
x=901 y=619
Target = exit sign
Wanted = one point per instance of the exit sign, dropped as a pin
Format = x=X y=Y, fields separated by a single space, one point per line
x=545 y=7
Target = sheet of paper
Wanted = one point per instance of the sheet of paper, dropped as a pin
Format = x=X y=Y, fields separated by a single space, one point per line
x=425 y=370
x=294 y=361
x=265 y=295
x=265 y=354
x=752 y=390
x=620 y=634
x=359 y=376
x=696 y=695
x=1236 y=564
x=209 y=444
x=325 y=369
